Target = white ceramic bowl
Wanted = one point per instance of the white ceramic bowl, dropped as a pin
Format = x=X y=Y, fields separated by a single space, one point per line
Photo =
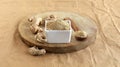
x=58 y=36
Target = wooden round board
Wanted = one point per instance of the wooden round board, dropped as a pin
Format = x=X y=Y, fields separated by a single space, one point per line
x=84 y=23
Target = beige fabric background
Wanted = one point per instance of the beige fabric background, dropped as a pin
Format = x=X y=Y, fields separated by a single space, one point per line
x=104 y=53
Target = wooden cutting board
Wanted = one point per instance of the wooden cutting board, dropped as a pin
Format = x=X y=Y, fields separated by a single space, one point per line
x=84 y=23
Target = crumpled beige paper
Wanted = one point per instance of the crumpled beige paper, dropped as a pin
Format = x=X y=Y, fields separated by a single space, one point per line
x=104 y=53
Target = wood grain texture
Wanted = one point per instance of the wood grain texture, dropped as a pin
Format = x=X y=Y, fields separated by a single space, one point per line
x=84 y=23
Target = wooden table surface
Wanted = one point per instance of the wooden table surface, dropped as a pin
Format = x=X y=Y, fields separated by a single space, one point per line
x=104 y=53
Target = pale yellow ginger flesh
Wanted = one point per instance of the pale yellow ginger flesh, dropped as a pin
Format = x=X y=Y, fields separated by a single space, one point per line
x=58 y=25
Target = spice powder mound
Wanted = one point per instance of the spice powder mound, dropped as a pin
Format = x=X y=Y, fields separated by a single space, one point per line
x=58 y=25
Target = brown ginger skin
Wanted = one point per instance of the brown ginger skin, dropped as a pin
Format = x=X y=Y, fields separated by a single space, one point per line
x=47 y=18
x=30 y=19
x=34 y=28
x=79 y=35
x=40 y=37
x=35 y=51
x=73 y=25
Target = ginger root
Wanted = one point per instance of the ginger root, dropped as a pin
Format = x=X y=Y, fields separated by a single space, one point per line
x=34 y=28
x=81 y=35
x=40 y=37
x=35 y=51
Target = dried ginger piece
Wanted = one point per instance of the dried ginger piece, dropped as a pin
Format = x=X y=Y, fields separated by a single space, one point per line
x=81 y=35
x=51 y=17
x=35 y=51
x=40 y=37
